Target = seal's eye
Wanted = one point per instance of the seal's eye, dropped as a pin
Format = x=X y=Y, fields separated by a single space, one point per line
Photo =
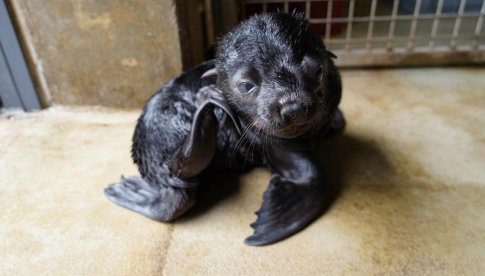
x=246 y=87
x=318 y=71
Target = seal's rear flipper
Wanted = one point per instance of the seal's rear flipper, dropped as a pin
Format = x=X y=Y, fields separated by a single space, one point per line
x=162 y=204
x=287 y=208
x=168 y=189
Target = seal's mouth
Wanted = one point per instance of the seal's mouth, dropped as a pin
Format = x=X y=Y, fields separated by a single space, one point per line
x=287 y=127
x=292 y=131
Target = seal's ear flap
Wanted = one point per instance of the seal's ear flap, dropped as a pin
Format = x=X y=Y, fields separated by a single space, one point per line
x=211 y=73
x=332 y=55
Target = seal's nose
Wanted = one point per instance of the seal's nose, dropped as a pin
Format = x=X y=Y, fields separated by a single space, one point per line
x=293 y=112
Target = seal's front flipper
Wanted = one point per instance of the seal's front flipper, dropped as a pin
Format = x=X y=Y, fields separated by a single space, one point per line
x=162 y=204
x=287 y=208
x=199 y=146
x=212 y=95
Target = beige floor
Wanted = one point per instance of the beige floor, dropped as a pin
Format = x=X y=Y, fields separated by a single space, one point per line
x=408 y=172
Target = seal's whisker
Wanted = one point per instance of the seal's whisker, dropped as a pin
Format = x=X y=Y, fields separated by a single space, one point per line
x=242 y=139
x=265 y=146
x=252 y=143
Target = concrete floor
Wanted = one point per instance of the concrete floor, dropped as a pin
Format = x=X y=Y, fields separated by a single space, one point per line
x=408 y=175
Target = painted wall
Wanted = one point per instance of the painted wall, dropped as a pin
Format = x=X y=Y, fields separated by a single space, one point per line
x=88 y=52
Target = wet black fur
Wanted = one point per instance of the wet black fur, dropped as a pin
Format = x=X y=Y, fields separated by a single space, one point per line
x=278 y=54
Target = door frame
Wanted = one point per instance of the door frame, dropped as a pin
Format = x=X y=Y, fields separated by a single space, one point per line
x=17 y=90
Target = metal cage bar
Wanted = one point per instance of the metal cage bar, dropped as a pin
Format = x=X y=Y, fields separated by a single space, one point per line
x=388 y=18
x=308 y=7
x=456 y=28
x=349 y=25
x=478 y=28
x=370 y=29
x=329 y=18
x=414 y=25
x=436 y=22
x=392 y=26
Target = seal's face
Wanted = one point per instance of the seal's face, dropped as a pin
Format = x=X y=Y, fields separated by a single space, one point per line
x=273 y=73
x=283 y=99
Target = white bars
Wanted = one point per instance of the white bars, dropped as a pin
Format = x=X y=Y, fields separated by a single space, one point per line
x=478 y=28
x=329 y=19
x=392 y=26
x=414 y=24
x=461 y=9
x=370 y=30
x=436 y=22
x=348 y=36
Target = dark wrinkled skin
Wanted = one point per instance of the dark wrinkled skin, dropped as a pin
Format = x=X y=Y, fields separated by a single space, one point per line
x=276 y=82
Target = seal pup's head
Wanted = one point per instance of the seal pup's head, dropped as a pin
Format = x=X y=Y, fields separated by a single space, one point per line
x=277 y=75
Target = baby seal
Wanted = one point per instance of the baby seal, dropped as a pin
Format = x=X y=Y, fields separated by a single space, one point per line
x=272 y=86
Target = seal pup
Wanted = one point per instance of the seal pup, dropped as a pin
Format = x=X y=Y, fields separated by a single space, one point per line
x=271 y=93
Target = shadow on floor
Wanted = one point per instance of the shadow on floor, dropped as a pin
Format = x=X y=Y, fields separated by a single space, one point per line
x=213 y=188
x=344 y=156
